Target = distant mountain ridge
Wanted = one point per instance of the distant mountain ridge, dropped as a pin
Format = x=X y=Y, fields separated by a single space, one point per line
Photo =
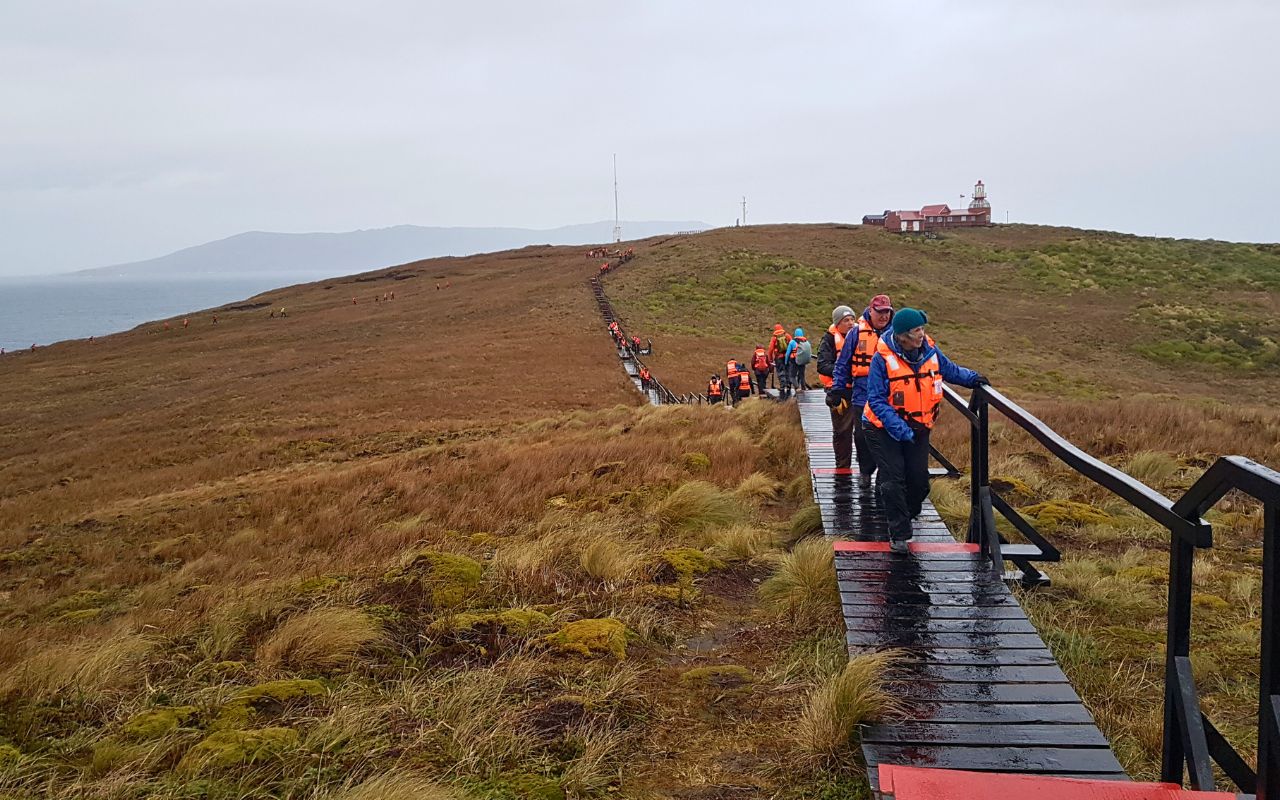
x=363 y=250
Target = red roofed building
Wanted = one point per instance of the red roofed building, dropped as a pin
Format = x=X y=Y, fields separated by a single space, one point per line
x=939 y=216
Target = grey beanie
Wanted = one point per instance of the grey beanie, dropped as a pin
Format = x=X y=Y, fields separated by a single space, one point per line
x=839 y=313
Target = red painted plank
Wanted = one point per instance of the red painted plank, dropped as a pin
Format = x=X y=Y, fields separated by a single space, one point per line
x=915 y=783
x=834 y=471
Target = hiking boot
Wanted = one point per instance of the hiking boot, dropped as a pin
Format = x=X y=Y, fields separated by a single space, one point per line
x=899 y=546
x=864 y=480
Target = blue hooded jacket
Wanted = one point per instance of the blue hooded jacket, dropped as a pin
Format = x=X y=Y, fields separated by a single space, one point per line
x=793 y=344
x=844 y=362
x=878 y=385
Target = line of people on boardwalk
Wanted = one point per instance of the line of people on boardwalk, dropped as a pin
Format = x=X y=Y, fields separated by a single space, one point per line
x=883 y=377
x=622 y=256
x=784 y=360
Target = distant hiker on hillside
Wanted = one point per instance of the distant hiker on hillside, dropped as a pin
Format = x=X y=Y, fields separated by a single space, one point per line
x=645 y=378
x=777 y=353
x=842 y=419
x=744 y=382
x=904 y=390
x=215 y=319
x=185 y=323
x=715 y=390
x=799 y=353
x=850 y=377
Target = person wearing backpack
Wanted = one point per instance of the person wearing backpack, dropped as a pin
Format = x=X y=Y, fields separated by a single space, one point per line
x=777 y=353
x=715 y=390
x=731 y=382
x=760 y=366
x=799 y=354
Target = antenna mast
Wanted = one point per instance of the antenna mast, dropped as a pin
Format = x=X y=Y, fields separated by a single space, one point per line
x=617 y=226
x=744 y=209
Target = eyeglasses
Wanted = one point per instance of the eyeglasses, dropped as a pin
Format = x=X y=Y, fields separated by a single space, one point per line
x=881 y=310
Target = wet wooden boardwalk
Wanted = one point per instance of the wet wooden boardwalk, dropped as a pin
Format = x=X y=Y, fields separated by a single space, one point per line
x=980 y=689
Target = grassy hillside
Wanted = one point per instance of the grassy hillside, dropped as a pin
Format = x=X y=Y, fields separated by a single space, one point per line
x=436 y=547
x=1157 y=355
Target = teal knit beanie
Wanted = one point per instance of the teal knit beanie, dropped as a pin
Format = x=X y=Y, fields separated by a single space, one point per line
x=907 y=318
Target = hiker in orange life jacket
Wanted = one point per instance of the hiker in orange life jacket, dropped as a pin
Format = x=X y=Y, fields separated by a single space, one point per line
x=799 y=353
x=842 y=421
x=760 y=366
x=645 y=377
x=744 y=382
x=904 y=393
x=849 y=373
x=715 y=390
x=778 y=356
x=731 y=382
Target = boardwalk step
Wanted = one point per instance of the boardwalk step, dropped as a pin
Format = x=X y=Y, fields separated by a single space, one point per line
x=913 y=783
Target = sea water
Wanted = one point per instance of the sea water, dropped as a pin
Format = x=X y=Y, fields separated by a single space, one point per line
x=43 y=310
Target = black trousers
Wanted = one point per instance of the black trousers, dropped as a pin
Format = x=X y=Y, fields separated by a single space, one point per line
x=762 y=380
x=842 y=437
x=904 y=477
x=866 y=461
x=783 y=371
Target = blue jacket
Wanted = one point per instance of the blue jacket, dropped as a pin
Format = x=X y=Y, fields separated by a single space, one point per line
x=878 y=386
x=844 y=364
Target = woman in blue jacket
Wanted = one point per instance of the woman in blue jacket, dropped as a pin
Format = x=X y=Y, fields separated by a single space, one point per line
x=904 y=395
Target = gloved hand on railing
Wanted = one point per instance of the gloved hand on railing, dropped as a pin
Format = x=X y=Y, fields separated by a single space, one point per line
x=981 y=380
x=838 y=399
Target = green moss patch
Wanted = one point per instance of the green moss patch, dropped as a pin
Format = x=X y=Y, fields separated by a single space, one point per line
x=511 y=621
x=683 y=564
x=1055 y=513
x=1145 y=574
x=696 y=462
x=244 y=706
x=158 y=722
x=678 y=594
x=590 y=637
x=9 y=755
x=448 y=578
x=318 y=585
x=719 y=676
x=231 y=748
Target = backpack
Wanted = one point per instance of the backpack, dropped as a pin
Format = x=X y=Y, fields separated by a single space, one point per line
x=803 y=352
x=760 y=361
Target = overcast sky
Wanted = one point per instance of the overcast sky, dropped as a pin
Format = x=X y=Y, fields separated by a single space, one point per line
x=130 y=129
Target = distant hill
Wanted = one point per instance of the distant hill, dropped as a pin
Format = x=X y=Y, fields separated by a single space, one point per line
x=359 y=251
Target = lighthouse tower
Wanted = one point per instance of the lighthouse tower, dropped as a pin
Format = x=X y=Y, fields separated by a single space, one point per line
x=979 y=204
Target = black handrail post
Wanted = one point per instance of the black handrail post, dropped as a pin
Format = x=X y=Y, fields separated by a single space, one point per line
x=1268 y=787
x=1177 y=645
x=979 y=478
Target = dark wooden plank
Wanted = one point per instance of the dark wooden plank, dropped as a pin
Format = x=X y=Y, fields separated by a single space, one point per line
x=985 y=735
x=981 y=673
x=904 y=624
x=910 y=575
x=994 y=586
x=1026 y=657
x=1039 y=760
x=880 y=599
x=1003 y=713
x=987 y=693
x=868 y=611
x=942 y=640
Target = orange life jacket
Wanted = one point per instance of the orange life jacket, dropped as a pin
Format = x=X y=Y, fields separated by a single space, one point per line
x=839 y=339
x=760 y=360
x=731 y=370
x=713 y=388
x=914 y=395
x=744 y=380
x=644 y=374
x=868 y=342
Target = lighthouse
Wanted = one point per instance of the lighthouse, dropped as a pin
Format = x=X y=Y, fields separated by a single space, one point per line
x=979 y=204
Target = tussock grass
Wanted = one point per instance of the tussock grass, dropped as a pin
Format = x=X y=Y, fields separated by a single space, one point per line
x=322 y=640
x=1152 y=467
x=758 y=488
x=609 y=561
x=804 y=523
x=80 y=669
x=699 y=506
x=395 y=785
x=804 y=583
x=741 y=542
x=857 y=693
